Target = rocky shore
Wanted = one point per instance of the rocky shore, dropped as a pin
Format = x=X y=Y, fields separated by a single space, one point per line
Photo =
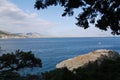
x=82 y=60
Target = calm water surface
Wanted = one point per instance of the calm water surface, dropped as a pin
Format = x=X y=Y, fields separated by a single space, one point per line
x=54 y=50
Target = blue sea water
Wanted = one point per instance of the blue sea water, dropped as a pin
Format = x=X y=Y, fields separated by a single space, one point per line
x=55 y=50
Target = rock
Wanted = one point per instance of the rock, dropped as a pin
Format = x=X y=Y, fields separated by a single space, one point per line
x=82 y=60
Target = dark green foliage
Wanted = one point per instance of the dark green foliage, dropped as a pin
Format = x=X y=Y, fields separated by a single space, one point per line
x=109 y=10
x=10 y=63
x=107 y=70
x=15 y=76
x=9 y=76
x=18 y=60
x=58 y=74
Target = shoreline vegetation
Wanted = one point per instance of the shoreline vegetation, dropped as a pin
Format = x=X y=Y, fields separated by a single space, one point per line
x=109 y=64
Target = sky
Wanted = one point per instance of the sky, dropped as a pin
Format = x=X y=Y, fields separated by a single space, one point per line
x=19 y=16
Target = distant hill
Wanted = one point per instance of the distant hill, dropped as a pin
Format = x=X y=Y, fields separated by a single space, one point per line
x=6 y=35
x=31 y=35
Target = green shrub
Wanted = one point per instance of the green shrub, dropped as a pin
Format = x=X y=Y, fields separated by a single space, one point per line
x=10 y=63
x=18 y=60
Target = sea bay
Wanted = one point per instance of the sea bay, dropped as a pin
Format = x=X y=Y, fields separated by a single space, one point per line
x=54 y=50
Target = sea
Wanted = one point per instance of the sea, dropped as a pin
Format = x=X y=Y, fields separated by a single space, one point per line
x=54 y=50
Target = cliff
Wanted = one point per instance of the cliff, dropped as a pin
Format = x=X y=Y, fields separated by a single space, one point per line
x=82 y=60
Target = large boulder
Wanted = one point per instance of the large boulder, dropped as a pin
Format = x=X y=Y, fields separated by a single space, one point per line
x=82 y=60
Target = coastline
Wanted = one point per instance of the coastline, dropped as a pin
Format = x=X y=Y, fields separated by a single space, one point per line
x=56 y=37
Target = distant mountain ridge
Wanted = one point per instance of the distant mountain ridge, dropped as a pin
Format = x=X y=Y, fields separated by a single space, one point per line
x=4 y=35
x=32 y=35
x=7 y=35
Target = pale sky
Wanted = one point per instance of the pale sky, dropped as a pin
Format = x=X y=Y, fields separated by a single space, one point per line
x=19 y=16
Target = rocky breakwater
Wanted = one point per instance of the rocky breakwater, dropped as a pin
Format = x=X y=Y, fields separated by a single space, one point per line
x=82 y=60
